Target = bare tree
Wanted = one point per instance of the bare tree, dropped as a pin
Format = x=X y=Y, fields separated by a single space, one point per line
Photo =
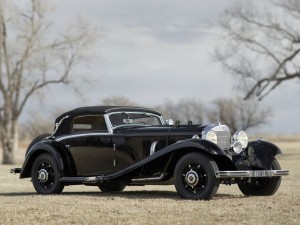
x=262 y=44
x=118 y=101
x=35 y=126
x=239 y=114
x=32 y=58
x=184 y=110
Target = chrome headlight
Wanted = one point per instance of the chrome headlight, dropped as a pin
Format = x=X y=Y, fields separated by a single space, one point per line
x=241 y=137
x=211 y=136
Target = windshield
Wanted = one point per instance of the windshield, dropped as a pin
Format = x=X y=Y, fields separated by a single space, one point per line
x=134 y=119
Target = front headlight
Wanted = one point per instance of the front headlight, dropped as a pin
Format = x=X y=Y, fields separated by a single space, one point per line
x=241 y=137
x=211 y=136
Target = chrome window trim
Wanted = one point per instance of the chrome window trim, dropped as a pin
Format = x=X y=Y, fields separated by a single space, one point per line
x=111 y=128
x=94 y=115
x=69 y=136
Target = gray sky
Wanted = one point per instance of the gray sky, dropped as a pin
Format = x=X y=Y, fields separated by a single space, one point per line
x=152 y=51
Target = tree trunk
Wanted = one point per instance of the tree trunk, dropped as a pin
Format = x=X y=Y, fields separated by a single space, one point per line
x=9 y=142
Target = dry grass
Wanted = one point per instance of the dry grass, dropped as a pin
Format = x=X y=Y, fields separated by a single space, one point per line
x=152 y=204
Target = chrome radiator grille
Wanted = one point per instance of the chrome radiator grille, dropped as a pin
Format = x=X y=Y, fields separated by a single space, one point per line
x=224 y=139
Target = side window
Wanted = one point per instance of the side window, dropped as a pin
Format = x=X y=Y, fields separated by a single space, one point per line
x=89 y=123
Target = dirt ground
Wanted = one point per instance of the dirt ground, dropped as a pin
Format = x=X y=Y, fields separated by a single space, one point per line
x=19 y=204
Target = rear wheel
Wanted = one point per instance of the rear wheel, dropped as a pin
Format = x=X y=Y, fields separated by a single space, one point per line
x=45 y=175
x=262 y=186
x=195 y=178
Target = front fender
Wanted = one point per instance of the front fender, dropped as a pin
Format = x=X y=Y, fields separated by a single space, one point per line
x=34 y=151
x=200 y=144
x=261 y=153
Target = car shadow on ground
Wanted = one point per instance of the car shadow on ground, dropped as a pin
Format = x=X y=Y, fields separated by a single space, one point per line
x=124 y=194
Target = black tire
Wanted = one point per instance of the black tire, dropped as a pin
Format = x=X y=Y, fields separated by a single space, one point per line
x=45 y=175
x=36 y=140
x=117 y=187
x=262 y=186
x=194 y=177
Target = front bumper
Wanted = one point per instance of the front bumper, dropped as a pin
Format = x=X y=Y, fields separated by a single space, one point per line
x=251 y=173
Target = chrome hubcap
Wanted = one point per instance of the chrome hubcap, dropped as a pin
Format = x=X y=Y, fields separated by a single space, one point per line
x=192 y=178
x=43 y=175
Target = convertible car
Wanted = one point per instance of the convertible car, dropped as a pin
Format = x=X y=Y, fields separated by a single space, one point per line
x=113 y=147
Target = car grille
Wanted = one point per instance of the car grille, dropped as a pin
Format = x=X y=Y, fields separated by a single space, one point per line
x=224 y=139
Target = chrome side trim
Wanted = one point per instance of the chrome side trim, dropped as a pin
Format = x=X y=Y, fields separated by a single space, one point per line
x=252 y=173
x=146 y=179
x=77 y=179
x=81 y=135
x=57 y=125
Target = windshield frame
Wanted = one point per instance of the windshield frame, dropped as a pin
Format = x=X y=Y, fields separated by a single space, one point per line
x=112 y=127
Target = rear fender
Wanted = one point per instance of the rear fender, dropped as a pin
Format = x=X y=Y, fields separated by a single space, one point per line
x=36 y=150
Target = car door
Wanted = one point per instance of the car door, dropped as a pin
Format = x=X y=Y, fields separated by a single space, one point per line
x=91 y=146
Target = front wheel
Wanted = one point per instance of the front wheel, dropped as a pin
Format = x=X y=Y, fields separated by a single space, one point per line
x=195 y=178
x=45 y=175
x=262 y=186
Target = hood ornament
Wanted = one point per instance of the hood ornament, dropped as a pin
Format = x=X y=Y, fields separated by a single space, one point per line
x=218 y=119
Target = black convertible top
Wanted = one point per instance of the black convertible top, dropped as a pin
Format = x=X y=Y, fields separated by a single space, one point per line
x=92 y=110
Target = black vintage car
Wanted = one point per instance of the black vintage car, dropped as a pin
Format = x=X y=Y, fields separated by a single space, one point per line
x=112 y=147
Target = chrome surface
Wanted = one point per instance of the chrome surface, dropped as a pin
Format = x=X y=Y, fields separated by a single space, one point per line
x=196 y=136
x=242 y=137
x=58 y=124
x=81 y=135
x=153 y=147
x=170 y=122
x=224 y=139
x=144 y=179
x=78 y=179
x=218 y=119
x=237 y=147
x=43 y=175
x=192 y=178
x=223 y=135
x=251 y=173
x=111 y=127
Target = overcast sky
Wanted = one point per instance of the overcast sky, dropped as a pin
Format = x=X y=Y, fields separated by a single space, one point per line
x=154 y=51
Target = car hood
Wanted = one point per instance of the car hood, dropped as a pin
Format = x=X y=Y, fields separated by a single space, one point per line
x=163 y=130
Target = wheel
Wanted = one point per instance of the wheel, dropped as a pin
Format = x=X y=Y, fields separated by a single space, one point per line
x=36 y=140
x=262 y=186
x=117 y=187
x=45 y=175
x=194 y=177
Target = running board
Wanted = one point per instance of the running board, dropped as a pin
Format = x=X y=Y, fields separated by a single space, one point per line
x=148 y=179
x=252 y=173
x=78 y=179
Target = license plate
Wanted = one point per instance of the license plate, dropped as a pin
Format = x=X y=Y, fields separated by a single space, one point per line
x=261 y=173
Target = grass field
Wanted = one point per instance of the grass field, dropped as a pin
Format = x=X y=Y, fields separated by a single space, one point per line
x=19 y=204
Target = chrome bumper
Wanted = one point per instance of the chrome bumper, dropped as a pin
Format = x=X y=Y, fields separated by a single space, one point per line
x=251 y=173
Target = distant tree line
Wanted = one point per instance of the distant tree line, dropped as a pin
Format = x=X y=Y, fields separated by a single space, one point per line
x=238 y=114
